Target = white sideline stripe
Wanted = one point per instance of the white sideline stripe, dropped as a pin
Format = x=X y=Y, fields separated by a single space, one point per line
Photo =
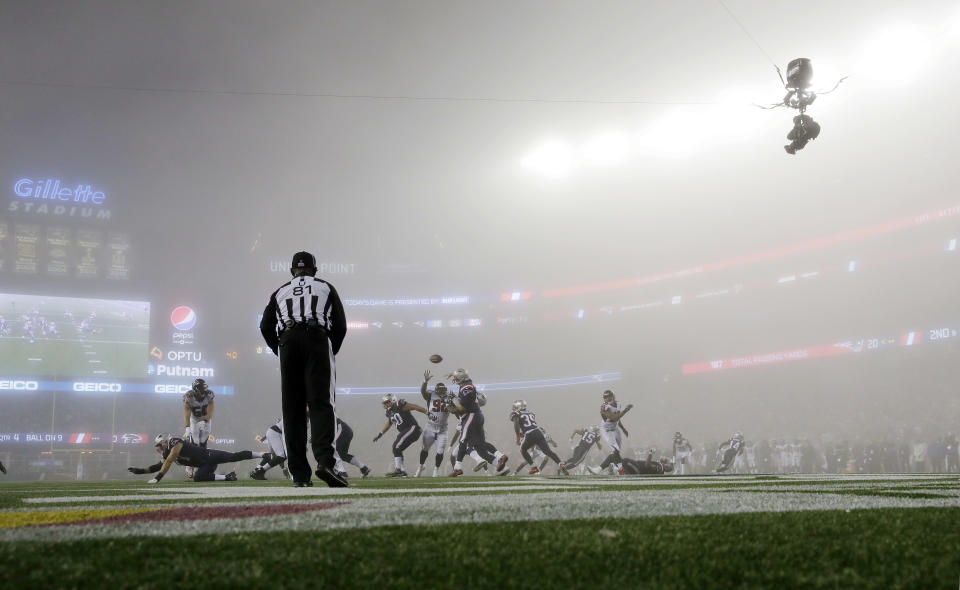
x=425 y=510
x=258 y=492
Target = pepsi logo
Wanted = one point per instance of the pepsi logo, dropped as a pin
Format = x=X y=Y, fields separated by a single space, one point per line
x=183 y=318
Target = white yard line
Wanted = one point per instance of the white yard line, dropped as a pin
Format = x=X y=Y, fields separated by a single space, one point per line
x=373 y=511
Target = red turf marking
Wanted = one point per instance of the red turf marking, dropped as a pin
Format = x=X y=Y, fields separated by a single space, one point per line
x=207 y=513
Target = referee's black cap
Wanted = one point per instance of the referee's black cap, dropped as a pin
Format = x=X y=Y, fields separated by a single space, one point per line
x=303 y=261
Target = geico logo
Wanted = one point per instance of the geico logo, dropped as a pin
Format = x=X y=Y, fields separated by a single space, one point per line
x=11 y=385
x=98 y=386
x=161 y=388
x=185 y=355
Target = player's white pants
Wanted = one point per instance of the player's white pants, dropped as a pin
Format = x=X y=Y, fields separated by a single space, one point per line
x=275 y=442
x=199 y=435
x=682 y=462
x=612 y=438
x=431 y=436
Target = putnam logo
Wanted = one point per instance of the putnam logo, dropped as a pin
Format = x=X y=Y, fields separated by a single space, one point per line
x=183 y=318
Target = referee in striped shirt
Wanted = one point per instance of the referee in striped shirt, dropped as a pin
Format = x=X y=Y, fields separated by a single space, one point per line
x=305 y=325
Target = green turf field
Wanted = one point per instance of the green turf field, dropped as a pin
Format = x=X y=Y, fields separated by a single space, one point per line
x=486 y=532
x=113 y=344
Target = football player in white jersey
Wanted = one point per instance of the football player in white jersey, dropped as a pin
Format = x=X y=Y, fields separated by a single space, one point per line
x=611 y=413
x=435 y=433
x=682 y=454
x=278 y=451
x=197 y=414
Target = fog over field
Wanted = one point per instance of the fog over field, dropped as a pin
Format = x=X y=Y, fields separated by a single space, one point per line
x=559 y=198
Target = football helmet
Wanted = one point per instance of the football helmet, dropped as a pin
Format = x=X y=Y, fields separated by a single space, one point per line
x=388 y=400
x=199 y=385
x=595 y=429
x=519 y=405
x=677 y=435
x=441 y=389
x=738 y=435
x=608 y=396
x=459 y=376
x=162 y=442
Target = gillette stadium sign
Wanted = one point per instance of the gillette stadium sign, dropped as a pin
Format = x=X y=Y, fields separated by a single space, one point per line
x=51 y=196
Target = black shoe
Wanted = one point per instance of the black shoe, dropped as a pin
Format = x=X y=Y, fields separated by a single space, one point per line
x=330 y=477
x=365 y=471
x=342 y=474
x=232 y=476
x=303 y=484
x=258 y=474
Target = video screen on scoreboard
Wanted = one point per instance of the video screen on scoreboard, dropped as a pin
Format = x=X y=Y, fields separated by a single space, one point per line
x=43 y=336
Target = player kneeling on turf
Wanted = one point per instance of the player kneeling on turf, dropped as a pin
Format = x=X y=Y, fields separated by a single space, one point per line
x=176 y=450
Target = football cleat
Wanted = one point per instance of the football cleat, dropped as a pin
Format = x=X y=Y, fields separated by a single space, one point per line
x=232 y=476
x=365 y=471
x=342 y=474
x=594 y=470
x=396 y=473
x=563 y=469
x=303 y=484
x=480 y=465
x=286 y=472
x=258 y=474
x=330 y=477
x=501 y=463
x=534 y=470
x=620 y=471
x=419 y=471
x=456 y=472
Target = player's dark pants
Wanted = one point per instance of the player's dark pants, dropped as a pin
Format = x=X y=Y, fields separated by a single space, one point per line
x=642 y=467
x=578 y=454
x=613 y=457
x=307 y=376
x=728 y=456
x=535 y=438
x=405 y=439
x=343 y=442
x=472 y=435
x=214 y=457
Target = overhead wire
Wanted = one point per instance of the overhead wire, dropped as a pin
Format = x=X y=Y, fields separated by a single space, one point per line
x=347 y=96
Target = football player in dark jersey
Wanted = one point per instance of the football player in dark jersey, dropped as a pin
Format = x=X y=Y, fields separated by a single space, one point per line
x=728 y=451
x=408 y=431
x=3 y=469
x=588 y=438
x=468 y=404
x=529 y=435
x=342 y=440
x=649 y=466
x=174 y=449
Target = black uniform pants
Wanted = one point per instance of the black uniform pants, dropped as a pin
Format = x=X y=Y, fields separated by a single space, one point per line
x=405 y=439
x=307 y=379
x=343 y=442
x=535 y=438
x=578 y=454
x=473 y=436
x=214 y=458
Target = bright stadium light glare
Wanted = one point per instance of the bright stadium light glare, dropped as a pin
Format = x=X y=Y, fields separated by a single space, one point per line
x=678 y=133
x=896 y=55
x=552 y=159
x=606 y=149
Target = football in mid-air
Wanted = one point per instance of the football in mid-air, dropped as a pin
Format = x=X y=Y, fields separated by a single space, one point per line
x=435 y=358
